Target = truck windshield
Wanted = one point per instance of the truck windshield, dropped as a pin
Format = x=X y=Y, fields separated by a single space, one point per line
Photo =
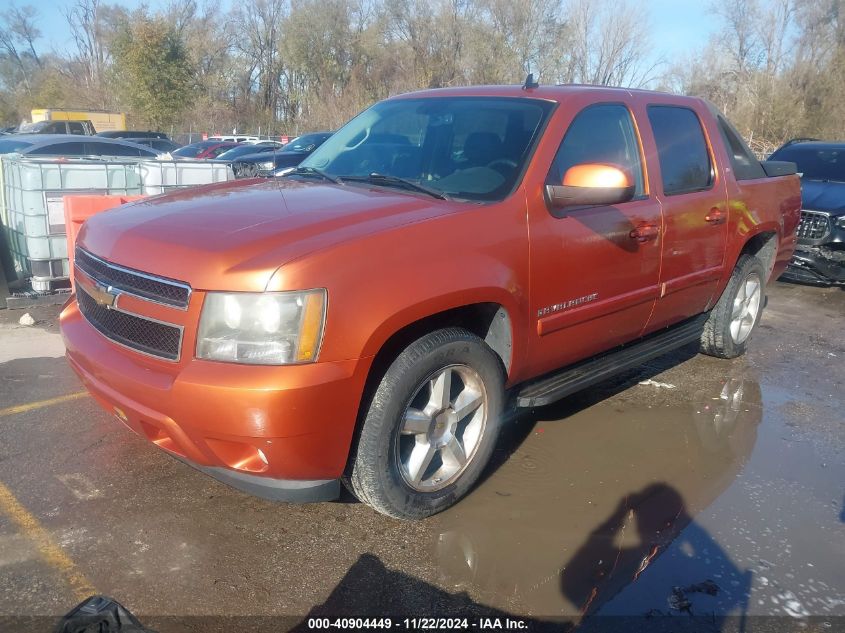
x=815 y=163
x=473 y=148
x=32 y=127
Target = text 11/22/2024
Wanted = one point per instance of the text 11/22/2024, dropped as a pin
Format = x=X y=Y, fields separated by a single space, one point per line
x=419 y=624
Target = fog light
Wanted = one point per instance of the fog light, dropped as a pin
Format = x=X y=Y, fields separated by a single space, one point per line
x=239 y=455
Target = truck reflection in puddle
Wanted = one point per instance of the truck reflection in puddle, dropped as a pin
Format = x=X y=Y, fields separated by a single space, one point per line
x=592 y=498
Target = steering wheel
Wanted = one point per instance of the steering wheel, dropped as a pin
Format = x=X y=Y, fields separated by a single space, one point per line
x=506 y=162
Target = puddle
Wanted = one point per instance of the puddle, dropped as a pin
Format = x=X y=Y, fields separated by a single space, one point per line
x=630 y=505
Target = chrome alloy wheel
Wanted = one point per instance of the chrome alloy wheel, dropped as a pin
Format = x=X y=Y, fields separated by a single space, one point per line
x=441 y=428
x=746 y=308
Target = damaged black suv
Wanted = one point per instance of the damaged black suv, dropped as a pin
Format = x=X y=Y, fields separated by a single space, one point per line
x=820 y=253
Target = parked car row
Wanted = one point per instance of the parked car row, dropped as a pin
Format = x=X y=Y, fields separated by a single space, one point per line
x=75 y=139
x=251 y=156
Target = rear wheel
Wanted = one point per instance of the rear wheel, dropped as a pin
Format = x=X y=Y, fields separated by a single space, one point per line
x=733 y=319
x=431 y=426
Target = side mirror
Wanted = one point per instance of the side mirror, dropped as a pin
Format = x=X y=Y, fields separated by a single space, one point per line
x=591 y=184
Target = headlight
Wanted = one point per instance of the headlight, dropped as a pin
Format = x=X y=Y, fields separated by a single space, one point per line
x=268 y=328
x=267 y=164
x=841 y=222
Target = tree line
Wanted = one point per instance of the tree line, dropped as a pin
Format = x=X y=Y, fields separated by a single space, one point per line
x=775 y=67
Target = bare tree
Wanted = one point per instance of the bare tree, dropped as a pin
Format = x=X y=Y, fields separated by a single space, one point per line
x=22 y=23
x=84 y=22
x=433 y=35
x=533 y=35
x=18 y=32
x=774 y=66
x=259 y=25
x=610 y=44
x=9 y=48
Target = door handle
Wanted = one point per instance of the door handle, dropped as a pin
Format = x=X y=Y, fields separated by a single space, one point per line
x=644 y=232
x=716 y=216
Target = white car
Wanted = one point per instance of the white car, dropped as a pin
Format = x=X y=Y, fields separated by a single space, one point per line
x=238 y=138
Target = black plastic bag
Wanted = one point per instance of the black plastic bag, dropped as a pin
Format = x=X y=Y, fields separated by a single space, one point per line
x=100 y=614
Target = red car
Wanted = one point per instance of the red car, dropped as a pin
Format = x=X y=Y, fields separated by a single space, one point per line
x=362 y=316
x=204 y=149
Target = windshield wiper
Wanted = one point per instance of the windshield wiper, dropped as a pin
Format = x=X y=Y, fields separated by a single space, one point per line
x=312 y=171
x=395 y=181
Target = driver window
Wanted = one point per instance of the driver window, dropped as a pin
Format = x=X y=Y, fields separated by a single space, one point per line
x=602 y=133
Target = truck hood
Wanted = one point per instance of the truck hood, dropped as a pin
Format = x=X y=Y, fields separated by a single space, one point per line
x=817 y=195
x=233 y=236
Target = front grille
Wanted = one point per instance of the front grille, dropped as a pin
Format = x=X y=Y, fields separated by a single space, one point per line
x=138 y=333
x=158 y=289
x=814 y=225
x=245 y=170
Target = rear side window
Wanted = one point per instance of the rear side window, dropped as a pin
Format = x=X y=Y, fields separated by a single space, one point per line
x=218 y=150
x=60 y=149
x=602 y=133
x=110 y=149
x=744 y=163
x=684 y=158
x=75 y=127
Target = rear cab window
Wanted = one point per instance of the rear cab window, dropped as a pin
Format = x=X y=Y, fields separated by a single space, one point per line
x=684 y=156
x=745 y=165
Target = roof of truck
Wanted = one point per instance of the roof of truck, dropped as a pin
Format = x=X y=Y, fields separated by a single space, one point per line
x=53 y=138
x=552 y=92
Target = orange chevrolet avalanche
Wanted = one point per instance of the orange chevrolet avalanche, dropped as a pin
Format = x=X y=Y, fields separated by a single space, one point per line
x=365 y=316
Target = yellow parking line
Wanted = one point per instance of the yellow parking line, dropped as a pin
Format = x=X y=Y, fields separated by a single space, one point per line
x=23 y=408
x=52 y=554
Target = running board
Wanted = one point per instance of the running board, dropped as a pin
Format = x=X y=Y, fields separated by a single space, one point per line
x=576 y=377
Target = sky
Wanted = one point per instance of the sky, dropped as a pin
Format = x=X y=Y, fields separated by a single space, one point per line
x=679 y=27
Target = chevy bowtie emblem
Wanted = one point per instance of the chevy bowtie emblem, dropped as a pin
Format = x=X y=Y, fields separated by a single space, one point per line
x=103 y=295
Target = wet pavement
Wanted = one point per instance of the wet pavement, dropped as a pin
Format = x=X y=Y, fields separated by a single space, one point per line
x=692 y=486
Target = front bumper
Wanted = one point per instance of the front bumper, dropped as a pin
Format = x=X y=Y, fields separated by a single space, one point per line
x=817 y=265
x=281 y=433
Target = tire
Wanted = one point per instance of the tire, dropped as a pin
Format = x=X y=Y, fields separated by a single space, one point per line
x=722 y=337
x=406 y=421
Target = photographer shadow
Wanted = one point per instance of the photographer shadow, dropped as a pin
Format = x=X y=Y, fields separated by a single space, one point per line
x=640 y=529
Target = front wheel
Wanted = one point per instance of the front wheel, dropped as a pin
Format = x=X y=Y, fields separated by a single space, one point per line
x=738 y=311
x=431 y=426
